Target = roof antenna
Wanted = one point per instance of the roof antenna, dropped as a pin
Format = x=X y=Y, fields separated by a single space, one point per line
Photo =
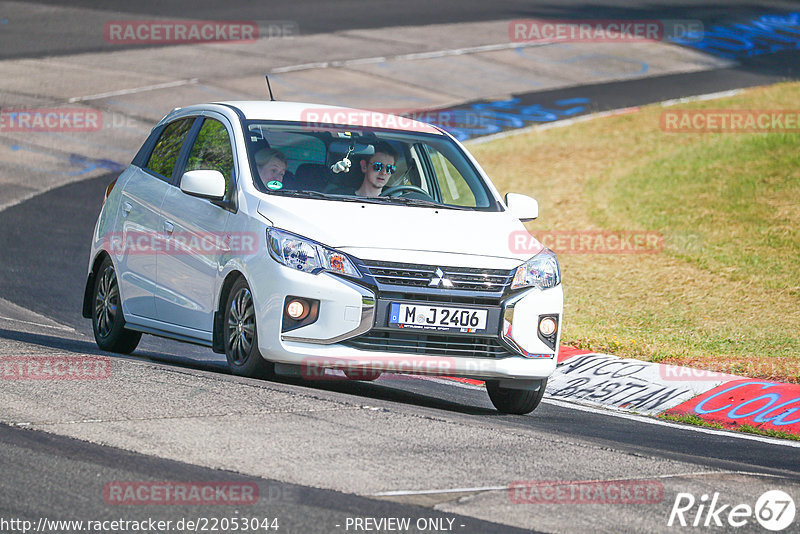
x=272 y=98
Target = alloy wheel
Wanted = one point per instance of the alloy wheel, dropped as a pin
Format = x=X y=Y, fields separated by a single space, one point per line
x=106 y=301
x=241 y=325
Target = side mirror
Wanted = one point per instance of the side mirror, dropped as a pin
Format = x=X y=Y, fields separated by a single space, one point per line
x=204 y=184
x=522 y=207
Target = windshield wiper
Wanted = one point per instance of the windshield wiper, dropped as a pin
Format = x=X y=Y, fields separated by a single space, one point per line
x=314 y=194
x=421 y=202
x=368 y=200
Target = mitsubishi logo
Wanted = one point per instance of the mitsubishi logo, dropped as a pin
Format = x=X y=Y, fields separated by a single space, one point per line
x=438 y=278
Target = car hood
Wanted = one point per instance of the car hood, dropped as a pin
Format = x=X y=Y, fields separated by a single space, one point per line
x=362 y=226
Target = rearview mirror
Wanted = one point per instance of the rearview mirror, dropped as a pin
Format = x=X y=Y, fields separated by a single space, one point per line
x=522 y=207
x=359 y=149
x=204 y=184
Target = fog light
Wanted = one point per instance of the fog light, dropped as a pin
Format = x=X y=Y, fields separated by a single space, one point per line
x=296 y=309
x=547 y=326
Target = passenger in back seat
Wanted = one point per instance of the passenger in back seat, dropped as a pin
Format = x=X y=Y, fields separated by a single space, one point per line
x=272 y=165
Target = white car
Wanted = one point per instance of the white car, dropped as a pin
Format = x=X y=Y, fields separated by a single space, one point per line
x=254 y=228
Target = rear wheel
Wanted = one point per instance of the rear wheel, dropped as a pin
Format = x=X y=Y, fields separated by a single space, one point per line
x=241 y=337
x=108 y=323
x=515 y=401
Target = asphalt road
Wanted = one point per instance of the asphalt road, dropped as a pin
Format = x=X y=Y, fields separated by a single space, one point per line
x=326 y=451
x=66 y=27
x=73 y=477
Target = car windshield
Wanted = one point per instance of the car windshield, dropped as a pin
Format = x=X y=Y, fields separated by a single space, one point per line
x=406 y=168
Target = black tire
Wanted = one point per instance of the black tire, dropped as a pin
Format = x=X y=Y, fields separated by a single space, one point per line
x=108 y=323
x=515 y=401
x=363 y=375
x=240 y=334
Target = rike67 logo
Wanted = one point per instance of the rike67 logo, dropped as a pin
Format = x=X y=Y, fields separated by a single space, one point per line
x=774 y=510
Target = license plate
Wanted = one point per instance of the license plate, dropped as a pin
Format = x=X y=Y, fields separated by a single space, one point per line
x=438 y=318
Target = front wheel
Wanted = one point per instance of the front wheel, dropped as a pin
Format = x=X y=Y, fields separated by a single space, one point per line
x=515 y=401
x=241 y=338
x=108 y=323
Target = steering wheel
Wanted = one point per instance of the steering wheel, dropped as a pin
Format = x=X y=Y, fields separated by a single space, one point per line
x=399 y=189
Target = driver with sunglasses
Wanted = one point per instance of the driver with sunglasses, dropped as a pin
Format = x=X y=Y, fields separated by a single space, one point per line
x=377 y=169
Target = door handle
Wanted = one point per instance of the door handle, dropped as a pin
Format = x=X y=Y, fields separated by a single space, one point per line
x=126 y=208
x=168 y=227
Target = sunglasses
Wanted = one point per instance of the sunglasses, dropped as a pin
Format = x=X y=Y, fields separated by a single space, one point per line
x=389 y=168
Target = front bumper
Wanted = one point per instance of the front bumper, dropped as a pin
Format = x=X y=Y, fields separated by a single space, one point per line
x=352 y=318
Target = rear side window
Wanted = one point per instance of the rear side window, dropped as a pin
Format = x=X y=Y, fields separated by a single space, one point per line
x=212 y=151
x=299 y=148
x=165 y=153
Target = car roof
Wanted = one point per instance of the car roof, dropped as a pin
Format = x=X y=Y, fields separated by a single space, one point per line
x=322 y=114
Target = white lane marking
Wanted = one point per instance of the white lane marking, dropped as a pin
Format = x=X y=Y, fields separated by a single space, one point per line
x=617 y=412
x=700 y=98
x=65 y=328
x=506 y=488
x=434 y=491
x=661 y=422
x=599 y=115
x=434 y=54
x=133 y=90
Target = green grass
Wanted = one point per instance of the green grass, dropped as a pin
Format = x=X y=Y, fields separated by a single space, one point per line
x=730 y=205
x=724 y=293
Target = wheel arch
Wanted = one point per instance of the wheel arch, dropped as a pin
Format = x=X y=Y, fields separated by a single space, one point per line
x=86 y=310
x=217 y=343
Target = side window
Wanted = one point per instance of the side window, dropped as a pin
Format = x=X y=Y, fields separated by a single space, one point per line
x=454 y=187
x=212 y=151
x=165 y=153
x=408 y=166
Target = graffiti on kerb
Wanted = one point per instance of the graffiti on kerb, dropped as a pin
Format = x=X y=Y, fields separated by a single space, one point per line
x=765 y=35
x=486 y=118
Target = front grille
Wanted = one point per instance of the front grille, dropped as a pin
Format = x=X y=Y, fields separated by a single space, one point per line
x=463 y=278
x=430 y=344
x=439 y=298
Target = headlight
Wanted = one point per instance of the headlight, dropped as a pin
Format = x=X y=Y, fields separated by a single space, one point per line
x=540 y=271
x=307 y=255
